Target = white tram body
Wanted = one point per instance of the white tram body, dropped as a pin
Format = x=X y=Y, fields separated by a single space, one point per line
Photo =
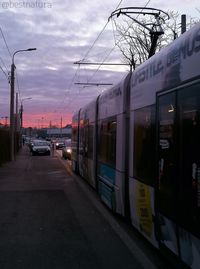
x=87 y=142
x=164 y=126
x=145 y=149
x=113 y=106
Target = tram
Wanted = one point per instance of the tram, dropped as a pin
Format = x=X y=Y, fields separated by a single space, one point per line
x=138 y=146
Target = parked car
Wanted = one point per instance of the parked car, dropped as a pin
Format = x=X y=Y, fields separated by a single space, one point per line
x=40 y=147
x=67 y=150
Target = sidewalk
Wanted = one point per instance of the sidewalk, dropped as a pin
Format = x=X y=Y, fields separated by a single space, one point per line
x=12 y=174
x=48 y=222
x=51 y=219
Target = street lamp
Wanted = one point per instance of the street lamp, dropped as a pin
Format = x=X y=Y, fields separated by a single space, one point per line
x=12 y=92
x=21 y=110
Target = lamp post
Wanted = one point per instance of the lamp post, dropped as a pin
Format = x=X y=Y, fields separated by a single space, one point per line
x=12 y=93
x=21 y=110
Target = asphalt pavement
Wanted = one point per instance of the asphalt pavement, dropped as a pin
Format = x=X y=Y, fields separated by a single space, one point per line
x=51 y=219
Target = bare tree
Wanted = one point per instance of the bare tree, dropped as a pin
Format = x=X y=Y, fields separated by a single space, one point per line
x=134 y=40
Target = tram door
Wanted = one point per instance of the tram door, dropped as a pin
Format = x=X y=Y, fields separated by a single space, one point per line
x=178 y=188
x=83 y=163
x=167 y=185
x=188 y=102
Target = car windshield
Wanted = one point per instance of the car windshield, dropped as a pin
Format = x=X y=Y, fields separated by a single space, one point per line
x=40 y=143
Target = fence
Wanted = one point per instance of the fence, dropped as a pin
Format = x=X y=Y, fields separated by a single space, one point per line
x=5 y=145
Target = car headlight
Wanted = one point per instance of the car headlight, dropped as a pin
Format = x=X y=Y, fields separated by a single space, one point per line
x=69 y=150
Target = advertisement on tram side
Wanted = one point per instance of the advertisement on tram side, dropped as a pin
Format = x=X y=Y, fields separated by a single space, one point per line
x=142 y=209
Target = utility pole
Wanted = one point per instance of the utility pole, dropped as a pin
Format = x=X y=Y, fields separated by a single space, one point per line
x=42 y=123
x=16 y=114
x=6 y=120
x=12 y=93
x=22 y=110
x=21 y=115
x=183 y=23
x=12 y=96
x=61 y=127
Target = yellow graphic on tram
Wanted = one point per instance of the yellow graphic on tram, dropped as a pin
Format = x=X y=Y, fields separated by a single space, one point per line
x=143 y=208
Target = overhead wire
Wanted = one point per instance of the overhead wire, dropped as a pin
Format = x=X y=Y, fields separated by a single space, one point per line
x=4 y=64
x=17 y=80
x=99 y=35
x=87 y=53
x=116 y=43
x=4 y=39
x=5 y=42
x=6 y=75
x=5 y=67
x=96 y=41
x=70 y=85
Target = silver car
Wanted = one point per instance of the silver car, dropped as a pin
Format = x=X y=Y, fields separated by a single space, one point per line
x=40 y=147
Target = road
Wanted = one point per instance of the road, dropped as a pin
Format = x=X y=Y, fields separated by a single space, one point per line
x=50 y=219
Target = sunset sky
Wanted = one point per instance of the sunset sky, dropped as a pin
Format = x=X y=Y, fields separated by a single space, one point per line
x=63 y=32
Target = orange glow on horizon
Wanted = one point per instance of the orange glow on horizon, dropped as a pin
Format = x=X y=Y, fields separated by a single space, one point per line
x=46 y=120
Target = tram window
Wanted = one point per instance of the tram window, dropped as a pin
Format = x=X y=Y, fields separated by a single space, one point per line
x=107 y=141
x=144 y=144
x=74 y=138
x=189 y=124
x=90 y=141
x=74 y=133
x=84 y=137
x=81 y=134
